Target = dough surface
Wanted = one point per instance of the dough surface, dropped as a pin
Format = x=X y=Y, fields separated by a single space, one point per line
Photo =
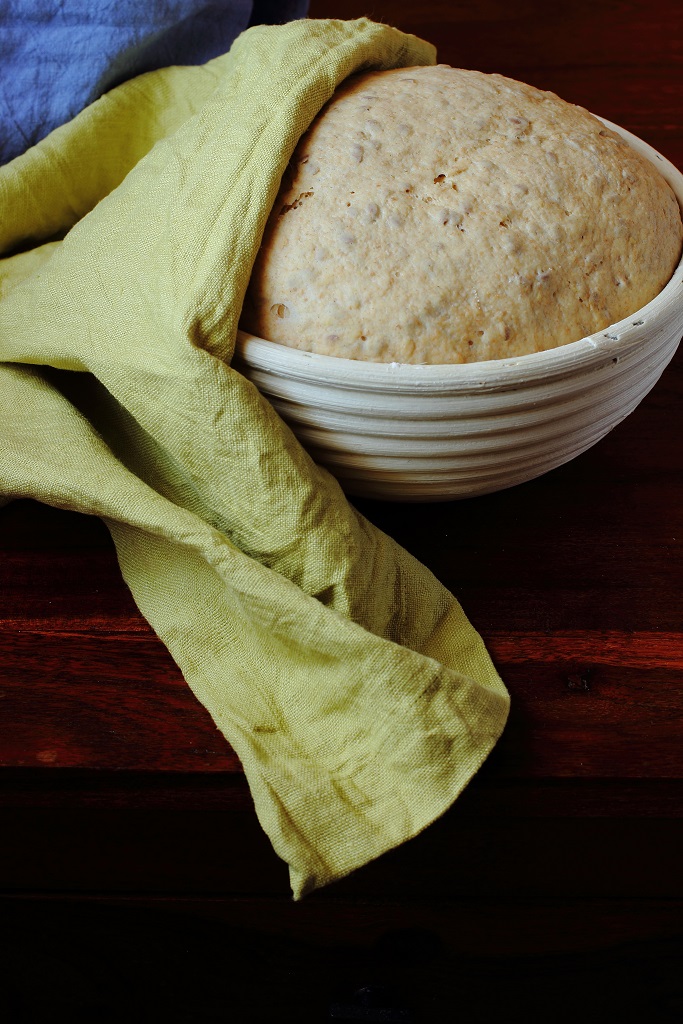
x=436 y=215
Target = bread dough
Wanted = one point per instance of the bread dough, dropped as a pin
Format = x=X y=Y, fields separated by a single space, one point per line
x=436 y=215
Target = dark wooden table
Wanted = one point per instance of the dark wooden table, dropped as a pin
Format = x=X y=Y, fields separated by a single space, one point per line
x=126 y=824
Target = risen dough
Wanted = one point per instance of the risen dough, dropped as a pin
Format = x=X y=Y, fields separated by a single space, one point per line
x=434 y=215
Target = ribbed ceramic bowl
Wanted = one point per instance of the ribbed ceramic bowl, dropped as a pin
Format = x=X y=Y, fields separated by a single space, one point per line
x=432 y=433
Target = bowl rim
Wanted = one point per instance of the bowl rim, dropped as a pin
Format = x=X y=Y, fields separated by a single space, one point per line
x=576 y=357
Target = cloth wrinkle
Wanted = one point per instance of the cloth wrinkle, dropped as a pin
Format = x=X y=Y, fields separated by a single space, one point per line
x=60 y=58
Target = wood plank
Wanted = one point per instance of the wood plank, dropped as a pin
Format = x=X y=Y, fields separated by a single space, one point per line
x=116 y=781
x=168 y=851
x=462 y=928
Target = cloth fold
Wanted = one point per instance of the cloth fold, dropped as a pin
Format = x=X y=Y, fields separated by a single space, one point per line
x=57 y=57
x=348 y=680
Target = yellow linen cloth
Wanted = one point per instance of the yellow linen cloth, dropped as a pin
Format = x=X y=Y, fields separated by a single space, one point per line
x=347 y=679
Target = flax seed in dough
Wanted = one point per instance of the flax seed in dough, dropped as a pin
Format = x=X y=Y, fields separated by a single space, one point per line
x=435 y=215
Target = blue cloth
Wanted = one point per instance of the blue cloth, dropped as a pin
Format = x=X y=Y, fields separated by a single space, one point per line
x=57 y=56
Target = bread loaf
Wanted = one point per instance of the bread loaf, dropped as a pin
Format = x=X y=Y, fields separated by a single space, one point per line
x=436 y=215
